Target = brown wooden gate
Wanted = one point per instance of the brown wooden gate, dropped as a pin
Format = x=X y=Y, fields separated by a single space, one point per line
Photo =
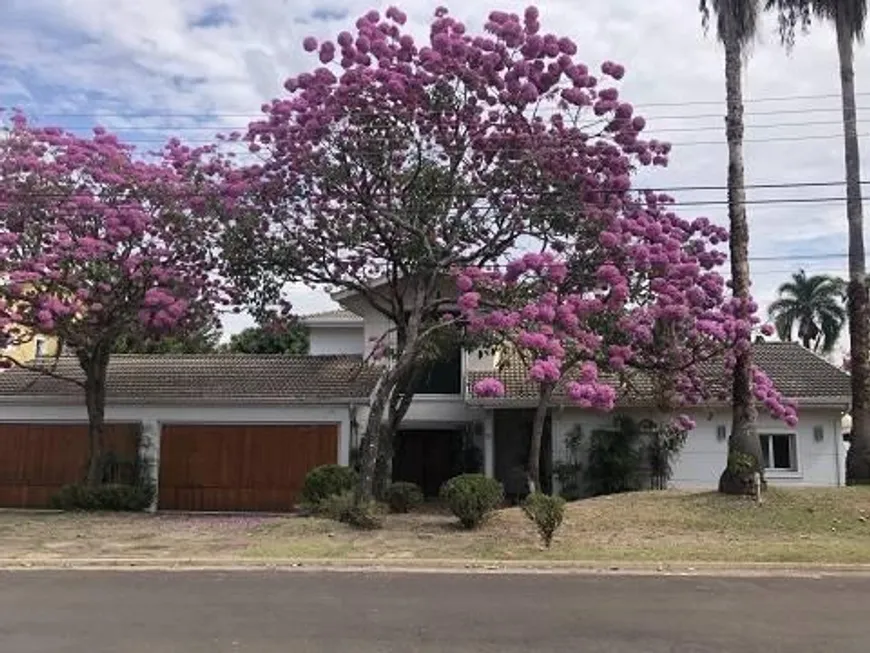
x=36 y=460
x=240 y=466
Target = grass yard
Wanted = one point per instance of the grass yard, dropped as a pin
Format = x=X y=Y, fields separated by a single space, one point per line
x=793 y=526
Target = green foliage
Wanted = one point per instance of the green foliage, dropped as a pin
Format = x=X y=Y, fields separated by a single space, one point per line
x=326 y=481
x=199 y=334
x=111 y=497
x=472 y=497
x=342 y=508
x=569 y=472
x=274 y=338
x=662 y=446
x=815 y=305
x=404 y=497
x=546 y=513
x=614 y=459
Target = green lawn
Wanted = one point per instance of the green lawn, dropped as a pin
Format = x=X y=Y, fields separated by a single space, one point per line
x=794 y=526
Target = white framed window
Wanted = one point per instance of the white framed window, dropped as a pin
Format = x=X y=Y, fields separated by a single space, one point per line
x=39 y=350
x=780 y=451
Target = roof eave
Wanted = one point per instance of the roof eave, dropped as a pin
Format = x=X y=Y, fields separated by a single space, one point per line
x=334 y=322
x=841 y=402
x=192 y=401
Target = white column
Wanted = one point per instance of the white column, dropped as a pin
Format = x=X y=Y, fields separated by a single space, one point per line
x=489 y=444
x=149 y=456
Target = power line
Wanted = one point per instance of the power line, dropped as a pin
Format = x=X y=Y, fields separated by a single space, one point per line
x=667 y=130
x=676 y=144
x=664 y=205
x=759 y=100
x=255 y=115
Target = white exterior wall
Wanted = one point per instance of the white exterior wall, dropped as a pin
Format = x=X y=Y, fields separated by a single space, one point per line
x=374 y=328
x=703 y=457
x=432 y=412
x=169 y=414
x=324 y=340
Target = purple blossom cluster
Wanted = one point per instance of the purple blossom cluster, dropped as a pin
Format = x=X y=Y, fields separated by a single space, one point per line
x=94 y=239
x=644 y=295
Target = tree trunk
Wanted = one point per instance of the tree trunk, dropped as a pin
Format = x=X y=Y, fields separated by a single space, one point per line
x=533 y=472
x=858 y=458
x=744 y=447
x=400 y=402
x=371 y=440
x=94 y=366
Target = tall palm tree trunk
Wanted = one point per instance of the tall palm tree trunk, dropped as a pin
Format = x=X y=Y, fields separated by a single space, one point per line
x=858 y=460
x=744 y=447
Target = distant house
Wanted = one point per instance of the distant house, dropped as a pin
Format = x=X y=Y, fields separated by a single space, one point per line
x=239 y=432
x=36 y=348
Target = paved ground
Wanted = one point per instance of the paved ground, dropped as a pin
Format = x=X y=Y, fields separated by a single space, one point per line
x=302 y=612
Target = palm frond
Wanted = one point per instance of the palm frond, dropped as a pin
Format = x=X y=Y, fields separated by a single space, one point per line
x=743 y=13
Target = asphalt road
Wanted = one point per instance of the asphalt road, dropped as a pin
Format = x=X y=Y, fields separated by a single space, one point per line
x=302 y=612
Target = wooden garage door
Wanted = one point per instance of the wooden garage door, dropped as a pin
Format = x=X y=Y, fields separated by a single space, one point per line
x=240 y=467
x=36 y=460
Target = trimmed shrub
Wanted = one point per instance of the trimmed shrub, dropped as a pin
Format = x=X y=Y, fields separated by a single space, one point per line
x=341 y=508
x=404 y=497
x=472 y=497
x=326 y=481
x=546 y=513
x=109 y=497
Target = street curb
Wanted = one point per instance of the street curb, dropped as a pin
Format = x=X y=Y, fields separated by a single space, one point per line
x=700 y=569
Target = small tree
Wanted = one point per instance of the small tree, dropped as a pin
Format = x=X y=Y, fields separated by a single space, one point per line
x=274 y=337
x=663 y=445
x=96 y=245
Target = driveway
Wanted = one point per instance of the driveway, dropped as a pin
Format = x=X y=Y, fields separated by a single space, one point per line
x=308 y=612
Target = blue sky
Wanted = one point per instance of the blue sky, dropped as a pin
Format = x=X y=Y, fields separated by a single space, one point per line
x=195 y=67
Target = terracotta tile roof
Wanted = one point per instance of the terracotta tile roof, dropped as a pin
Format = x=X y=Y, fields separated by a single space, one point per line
x=212 y=378
x=797 y=373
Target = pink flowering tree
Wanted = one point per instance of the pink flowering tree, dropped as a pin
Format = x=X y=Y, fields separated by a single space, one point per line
x=395 y=161
x=634 y=296
x=97 y=246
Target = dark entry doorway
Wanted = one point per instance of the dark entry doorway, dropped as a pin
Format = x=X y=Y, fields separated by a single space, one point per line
x=513 y=438
x=428 y=458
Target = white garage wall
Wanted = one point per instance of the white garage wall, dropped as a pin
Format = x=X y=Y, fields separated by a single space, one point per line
x=171 y=414
x=703 y=457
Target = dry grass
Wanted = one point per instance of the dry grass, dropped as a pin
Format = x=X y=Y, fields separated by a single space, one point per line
x=814 y=525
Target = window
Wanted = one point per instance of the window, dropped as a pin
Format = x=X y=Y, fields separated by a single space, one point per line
x=39 y=351
x=780 y=452
x=442 y=377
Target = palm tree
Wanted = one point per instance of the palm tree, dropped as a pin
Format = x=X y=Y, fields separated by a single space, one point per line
x=849 y=18
x=736 y=27
x=814 y=305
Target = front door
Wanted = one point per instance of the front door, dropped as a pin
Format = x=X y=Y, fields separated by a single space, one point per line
x=427 y=458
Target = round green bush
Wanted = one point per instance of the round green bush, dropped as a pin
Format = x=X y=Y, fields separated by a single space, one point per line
x=404 y=497
x=327 y=481
x=472 y=497
x=342 y=508
x=546 y=513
